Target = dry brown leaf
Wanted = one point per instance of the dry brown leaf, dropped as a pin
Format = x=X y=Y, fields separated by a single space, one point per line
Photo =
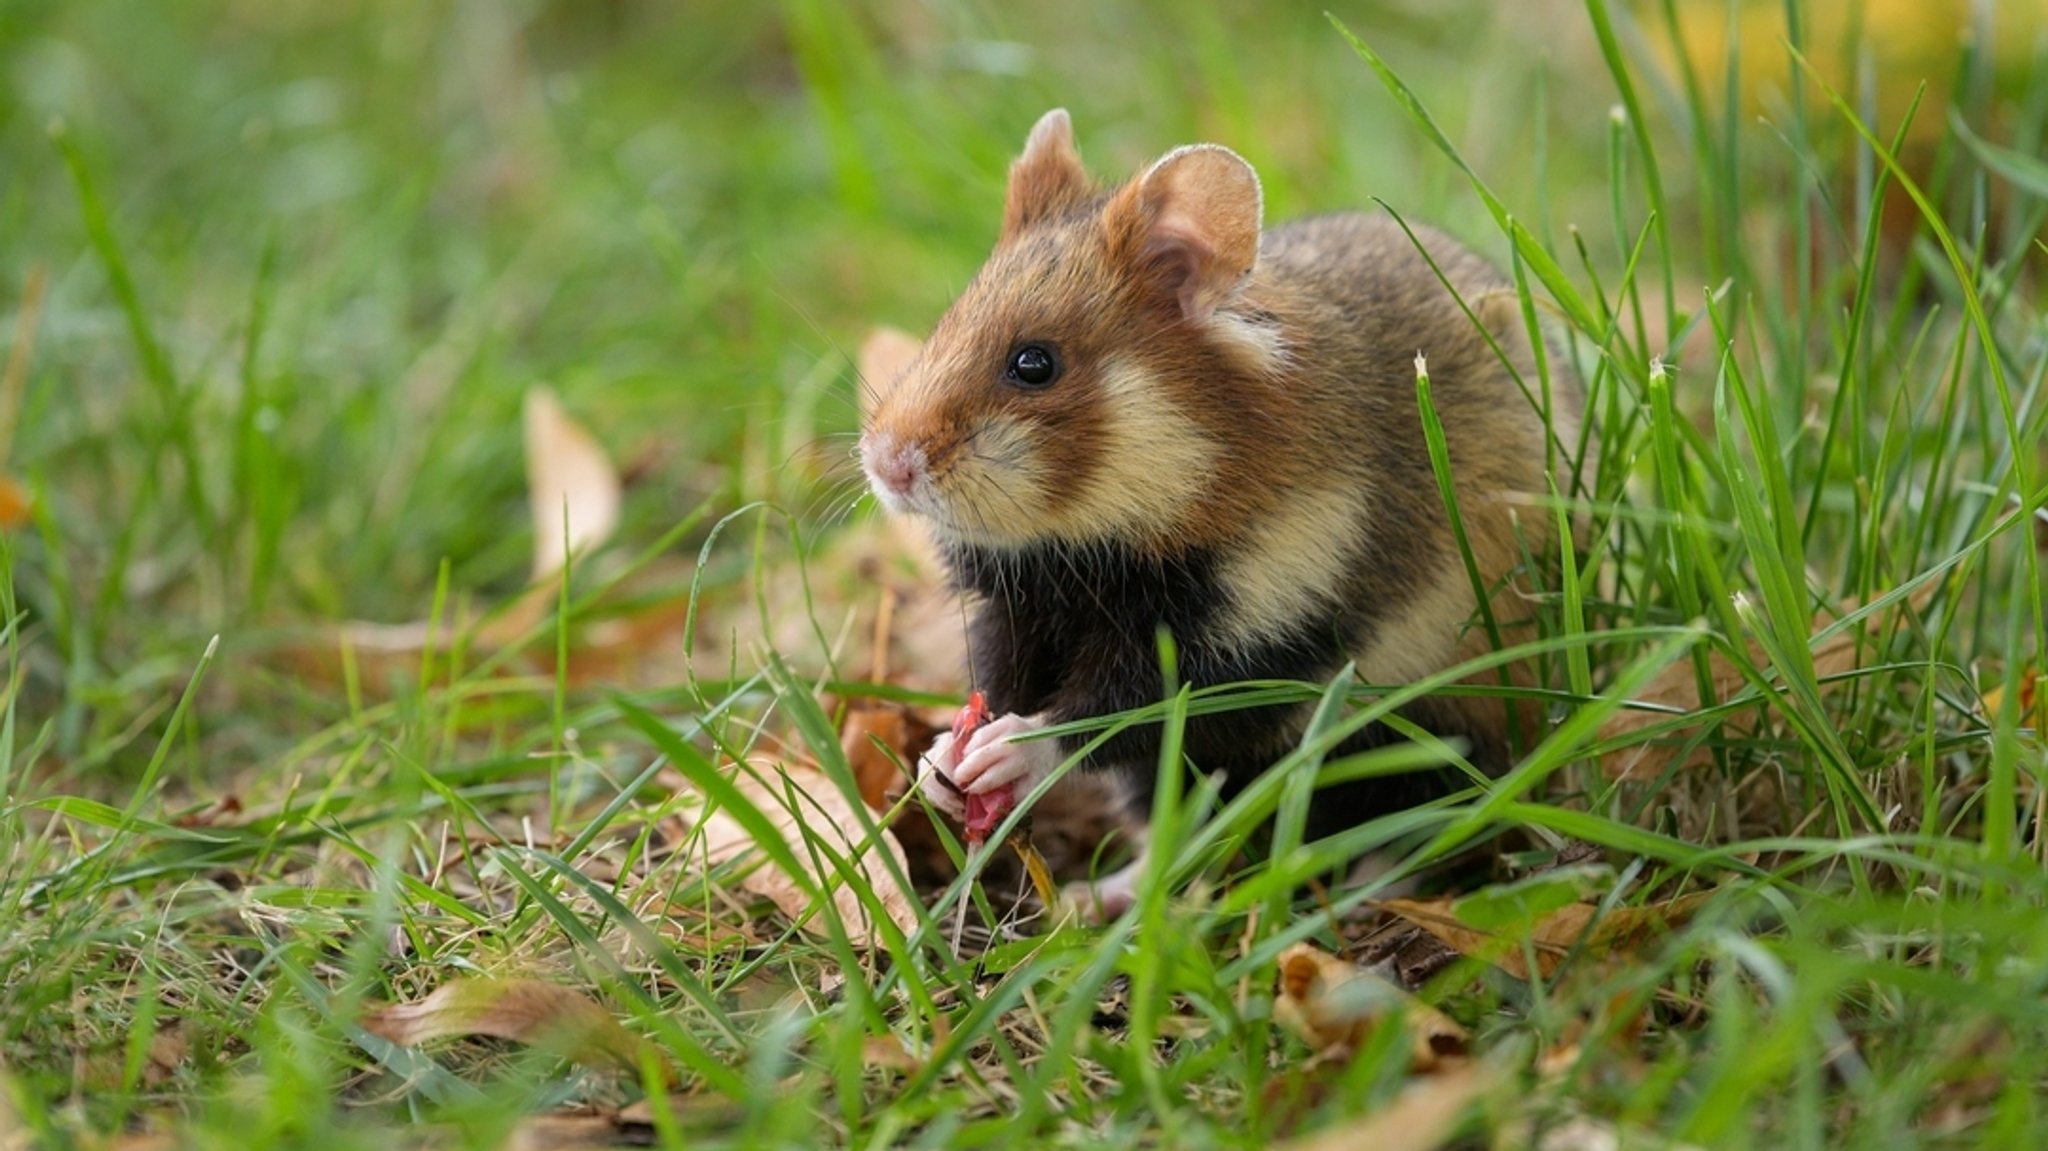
x=1422 y=1118
x=573 y=496
x=887 y=1053
x=567 y=475
x=529 y=1011
x=2033 y=704
x=876 y=737
x=168 y=1049
x=1676 y=690
x=635 y=1120
x=125 y=1141
x=14 y=383
x=1585 y=1133
x=824 y=813
x=15 y=503
x=1552 y=937
x=884 y=354
x=1332 y=1004
x=567 y=1132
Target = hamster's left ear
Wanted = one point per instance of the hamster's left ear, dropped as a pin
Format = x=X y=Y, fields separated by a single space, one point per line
x=1047 y=178
x=1193 y=220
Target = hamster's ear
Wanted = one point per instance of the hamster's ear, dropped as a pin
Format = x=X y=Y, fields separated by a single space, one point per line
x=1047 y=178
x=1193 y=219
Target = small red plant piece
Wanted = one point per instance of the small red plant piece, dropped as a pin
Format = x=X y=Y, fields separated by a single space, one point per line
x=984 y=811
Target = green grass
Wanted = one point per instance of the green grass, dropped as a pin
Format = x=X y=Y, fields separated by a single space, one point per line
x=303 y=267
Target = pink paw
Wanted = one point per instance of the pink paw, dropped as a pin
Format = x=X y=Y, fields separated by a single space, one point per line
x=980 y=761
x=990 y=761
x=935 y=777
x=1101 y=900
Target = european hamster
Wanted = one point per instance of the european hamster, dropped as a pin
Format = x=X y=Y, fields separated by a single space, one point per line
x=1144 y=412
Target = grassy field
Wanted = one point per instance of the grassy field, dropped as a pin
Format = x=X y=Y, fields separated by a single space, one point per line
x=276 y=280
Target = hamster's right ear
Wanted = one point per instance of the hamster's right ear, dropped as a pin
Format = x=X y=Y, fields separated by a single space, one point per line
x=1193 y=218
x=1048 y=177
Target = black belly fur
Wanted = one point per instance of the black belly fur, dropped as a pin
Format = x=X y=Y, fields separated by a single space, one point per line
x=1072 y=634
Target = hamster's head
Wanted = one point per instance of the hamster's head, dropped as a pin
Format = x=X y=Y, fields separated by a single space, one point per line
x=1079 y=388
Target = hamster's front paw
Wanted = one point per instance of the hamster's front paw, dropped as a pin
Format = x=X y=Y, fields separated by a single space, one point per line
x=1100 y=901
x=936 y=772
x=992 y=761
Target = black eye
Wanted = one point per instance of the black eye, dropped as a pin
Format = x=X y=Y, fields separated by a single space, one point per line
x=1033 y=366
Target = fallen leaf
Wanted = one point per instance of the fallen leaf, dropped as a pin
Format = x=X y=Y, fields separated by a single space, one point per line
x=635 y=1121
x=800 y=801
x=573 y=497
x=884 y=354
x=125 y=1141
x=1421 y=1118
x=15 y=502
x=14 y=378
x=168 y=1049
x=529 y=1011
x=1553 y=936
x=2033 y=704
x=586 y=1131
x=1335 y=1006
x=878 y=739
x=1674 y=692
x=887 y=1053
x=1585 y=1133
x=568 y=476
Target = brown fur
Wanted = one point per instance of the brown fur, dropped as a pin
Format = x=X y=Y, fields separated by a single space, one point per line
x=1253 y=397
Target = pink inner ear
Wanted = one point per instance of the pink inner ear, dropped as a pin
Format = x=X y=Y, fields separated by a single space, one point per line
x=1205 y=224
x=1191 y=264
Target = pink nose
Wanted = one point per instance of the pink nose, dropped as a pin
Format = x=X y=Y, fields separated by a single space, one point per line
x=894 y=466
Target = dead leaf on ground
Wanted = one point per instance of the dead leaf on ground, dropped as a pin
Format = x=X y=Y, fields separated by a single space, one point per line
x=887 y=1053
x=168 y=1049
x=1586 y=1133
x=1421 y=1118
x=2033 y=703
x=878 y=738
x=529 y=1011
x=15 y=502
x=574 y=494
x=580 y=1131
x=125 y=1141
x=704 y=1112
x=587 y=1129
x=1335 y=1006
x=884 y=354
x=1554 y=935
x=572 y=489
x=1675 y=692
x=827 y=816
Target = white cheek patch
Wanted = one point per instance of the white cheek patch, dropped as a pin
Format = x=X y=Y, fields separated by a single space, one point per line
x=1424 y=636
x=996 y=487
x=1155 y=462
x=1291 y=563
